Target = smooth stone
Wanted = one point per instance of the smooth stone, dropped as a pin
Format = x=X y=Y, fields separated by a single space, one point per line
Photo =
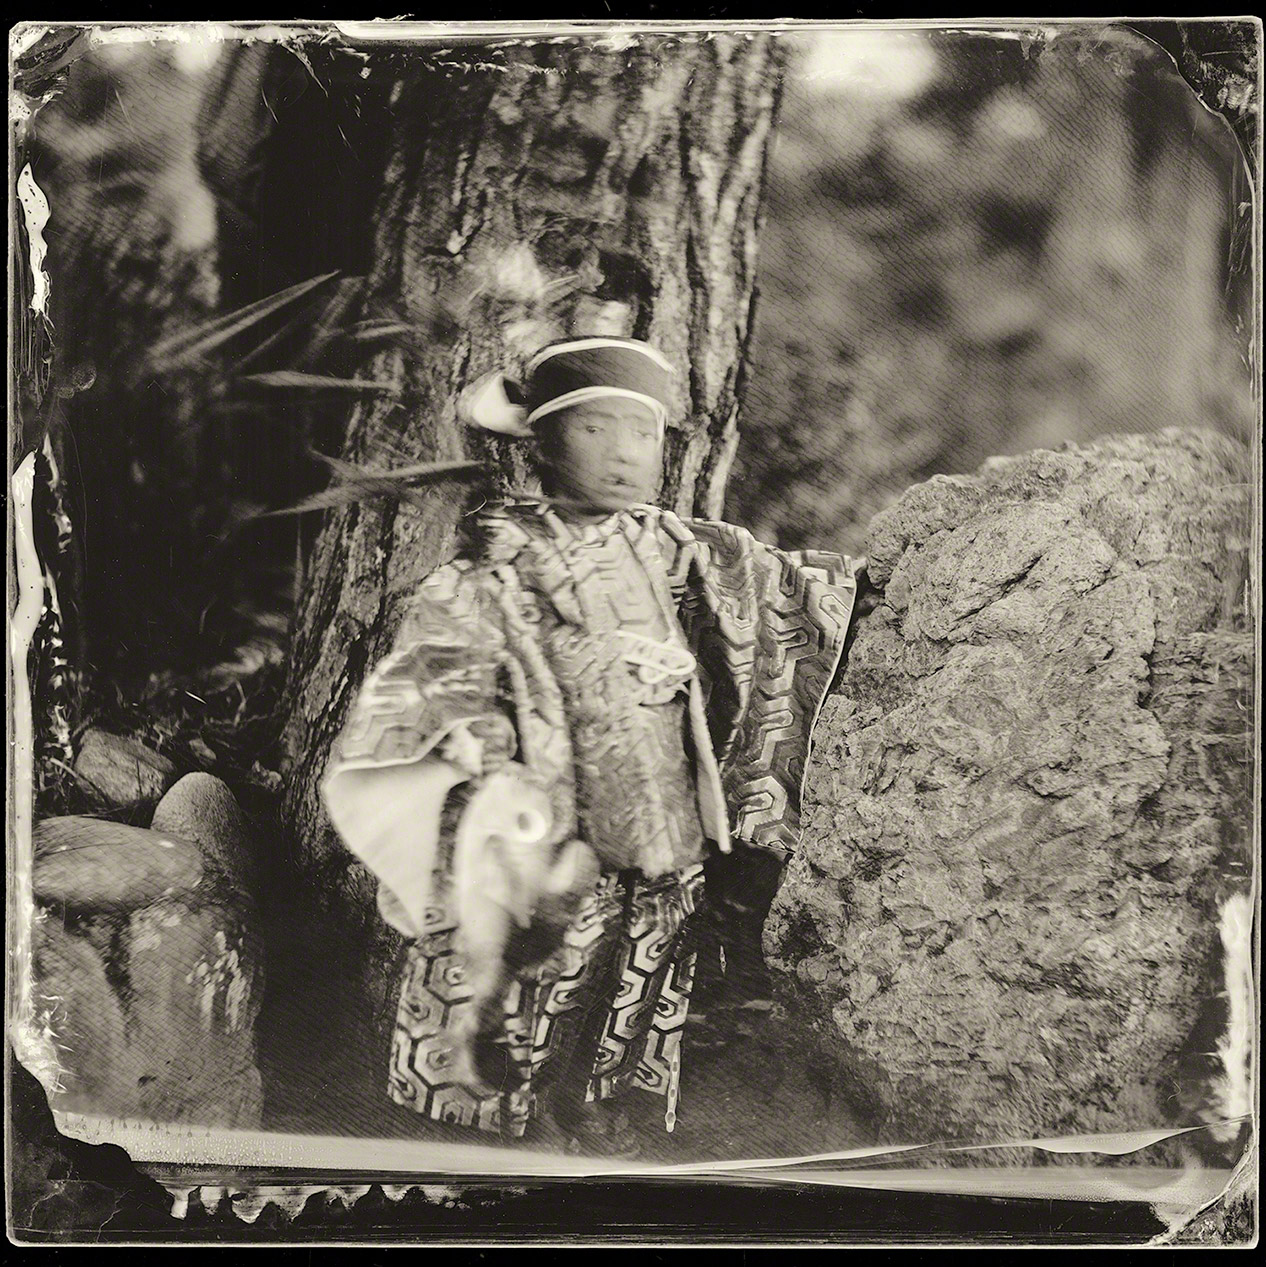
x=202 y=809
x=195 y=982
x=92 y=864
x=178 y=1044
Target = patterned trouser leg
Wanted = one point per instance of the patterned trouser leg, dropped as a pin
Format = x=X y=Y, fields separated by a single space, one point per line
x=432 y=992
x=603 y=1014
x=640 y=1044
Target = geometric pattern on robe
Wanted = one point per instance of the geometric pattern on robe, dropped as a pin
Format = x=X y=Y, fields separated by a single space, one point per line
x=767 y=630
x=766 y=627
x=607 y=1009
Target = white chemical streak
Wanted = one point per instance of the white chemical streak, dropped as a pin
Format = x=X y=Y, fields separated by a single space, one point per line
x=35 y=213
x=1235 y=1049
x=26 y=36
x=32 y=1041
x=169 y=1144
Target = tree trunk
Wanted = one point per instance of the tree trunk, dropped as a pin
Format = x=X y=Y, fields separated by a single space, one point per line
x=532 y=190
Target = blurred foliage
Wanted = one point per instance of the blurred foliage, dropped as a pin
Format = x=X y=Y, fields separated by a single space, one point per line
x=1037 y=246
x=131 y=260
x=182 y=283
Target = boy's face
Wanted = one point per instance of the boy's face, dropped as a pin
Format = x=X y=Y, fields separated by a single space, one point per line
x=606 y=454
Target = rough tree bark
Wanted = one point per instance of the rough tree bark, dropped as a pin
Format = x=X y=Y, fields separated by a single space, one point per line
x=532 y=190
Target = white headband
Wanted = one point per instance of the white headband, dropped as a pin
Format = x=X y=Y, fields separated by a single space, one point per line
x=486 y=404
x=582 y=394
x=585 y=345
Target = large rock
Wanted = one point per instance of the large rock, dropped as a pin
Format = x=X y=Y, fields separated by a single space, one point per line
x=122 y=771
x=148 y=962
x=92 y=864
x=1029 y=798
x=201 y=808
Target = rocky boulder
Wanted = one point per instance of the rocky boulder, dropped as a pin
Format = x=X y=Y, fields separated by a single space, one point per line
x=147 y=964
x=1030 y=800
x=122 y=771
x=92 y=864
x=201 y=808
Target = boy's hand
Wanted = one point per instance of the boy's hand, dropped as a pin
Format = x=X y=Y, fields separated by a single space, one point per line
x=481 y=746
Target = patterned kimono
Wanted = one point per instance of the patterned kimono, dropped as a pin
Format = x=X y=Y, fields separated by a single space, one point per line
x=660 y=677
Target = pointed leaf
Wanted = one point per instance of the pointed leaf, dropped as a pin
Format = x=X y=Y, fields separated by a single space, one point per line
x=421 y=472
x=316 y=382
x=359 y=483
x=283 y=332
x=188 y=345
x=329 y=326
x=326 y=499
x=382 y=330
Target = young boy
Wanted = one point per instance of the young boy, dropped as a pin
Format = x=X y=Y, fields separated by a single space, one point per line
x=657 y=677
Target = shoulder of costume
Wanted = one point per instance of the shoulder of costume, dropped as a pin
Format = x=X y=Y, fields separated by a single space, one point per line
x=455 y=587
x=719 y=535
x=716 y=530
x=499 y=531
x=724 y=544
x=448 y=593
x=666 y=520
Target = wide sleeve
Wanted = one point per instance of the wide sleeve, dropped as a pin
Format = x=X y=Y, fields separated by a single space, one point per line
x=428 y=717
x=770 y=627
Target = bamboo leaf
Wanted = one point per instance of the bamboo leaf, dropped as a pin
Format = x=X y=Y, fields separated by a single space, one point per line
x=287 y=328
x=322 y=318
x=188 y=345
x=420 y=472
x=316 y=382
x=329 y=326
x=357 y=483
x=383 y=330
x=326 y=499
